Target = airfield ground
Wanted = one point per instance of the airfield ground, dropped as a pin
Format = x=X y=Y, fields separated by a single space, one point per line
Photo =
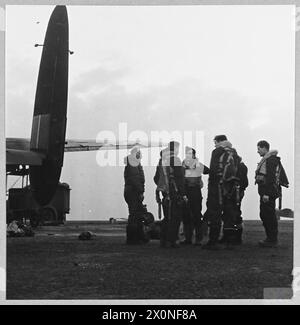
x=56 y=265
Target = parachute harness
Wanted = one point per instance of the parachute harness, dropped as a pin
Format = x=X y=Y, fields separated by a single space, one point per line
x=229 y=183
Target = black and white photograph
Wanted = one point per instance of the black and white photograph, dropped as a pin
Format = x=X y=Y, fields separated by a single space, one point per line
x=150 y=152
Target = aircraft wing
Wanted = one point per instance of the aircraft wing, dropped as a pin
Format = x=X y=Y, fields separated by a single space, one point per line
x=18 y=149
x=23 y=157
x=18 y=144
x=18 y=153
x=90 y=145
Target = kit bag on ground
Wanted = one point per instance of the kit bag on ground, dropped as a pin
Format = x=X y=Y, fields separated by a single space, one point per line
x=139 y=227
x=155 y=230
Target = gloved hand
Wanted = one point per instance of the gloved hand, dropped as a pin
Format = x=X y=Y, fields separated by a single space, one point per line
x=265 y=198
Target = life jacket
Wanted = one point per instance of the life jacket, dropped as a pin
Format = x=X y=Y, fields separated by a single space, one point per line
x=280 y=174
x=193 y=171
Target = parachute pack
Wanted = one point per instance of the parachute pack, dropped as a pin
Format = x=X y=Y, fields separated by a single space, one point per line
x=228 y=165
x=163 y=181
x=280 y=180
x=167 y=183
x=228 y=171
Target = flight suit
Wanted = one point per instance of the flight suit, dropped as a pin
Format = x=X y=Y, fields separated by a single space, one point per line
x=267 y=186
x=220 y=208
x=234 y=213
x=134 y=189
x=172 y=197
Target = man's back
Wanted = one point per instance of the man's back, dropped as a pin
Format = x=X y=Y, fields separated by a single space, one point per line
x=134 y=175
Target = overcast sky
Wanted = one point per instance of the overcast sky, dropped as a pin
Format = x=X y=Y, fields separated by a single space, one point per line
x=216 y=69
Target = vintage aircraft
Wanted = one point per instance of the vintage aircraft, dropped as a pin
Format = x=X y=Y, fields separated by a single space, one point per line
x=42 y=155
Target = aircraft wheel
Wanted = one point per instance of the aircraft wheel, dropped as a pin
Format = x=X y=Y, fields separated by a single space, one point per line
x=34 y=220
x=48 y=215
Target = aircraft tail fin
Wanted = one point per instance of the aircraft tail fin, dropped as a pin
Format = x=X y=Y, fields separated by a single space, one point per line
x=50 y=108
x=40 y=133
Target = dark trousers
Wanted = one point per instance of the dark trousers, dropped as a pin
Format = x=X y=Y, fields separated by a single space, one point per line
x=135 y=228
x=192 y=214
x=232 y=213
x=135 y=205
x=234 y=235
x=171 y=222
x=269 y=219
x=228 y=213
